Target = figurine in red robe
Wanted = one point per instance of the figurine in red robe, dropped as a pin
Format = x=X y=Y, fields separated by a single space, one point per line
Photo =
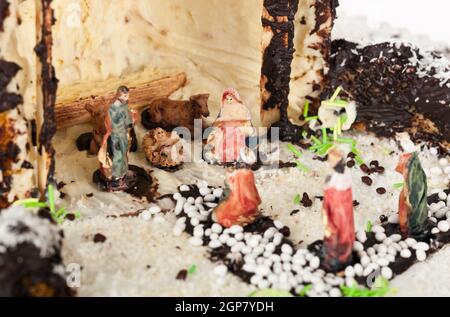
x=337 y=216
x=412 y=210
x=240 y=205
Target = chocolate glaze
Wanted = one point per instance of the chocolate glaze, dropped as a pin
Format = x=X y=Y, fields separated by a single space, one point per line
x=25 y=273
x=8 y=100
x=49 y=86
x=390 y=94
x=4 y=12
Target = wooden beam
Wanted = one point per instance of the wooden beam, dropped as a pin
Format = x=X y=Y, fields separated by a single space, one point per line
x=72 y=112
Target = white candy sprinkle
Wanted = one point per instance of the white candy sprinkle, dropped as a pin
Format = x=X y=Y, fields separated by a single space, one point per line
x=258 y=250
x=286 y=248
x=315 y=262
x=211 y=205
x=237 y=247
x=218 y=192
x=358 y=246
x=191 y=200
x=358 y=269
x=433 y=151
x=214 y=244
x=435 y=230
x=216 y=228
x=269 y=233
x=411 y=242
x=253 y=242
x=361 y=236
x=209 y=198
x=195 y=222
x=443 y=161
x=278 y=224
x=249 y=267
x=236 y=229
x=421 y=246
x=198 y=201
x=382 y=262
x=393 y=219
x=196 y=241
x=380 y=236
x=365 y=261
x=386 y=272
x=262 y=270
x=255 y=279
x=239 y=236
x=184 y=188
x=405 y=253
x=224 y=238
x=198 y=232
x=202 y=184
x=154 y=210
x=270 y=247
x=231 y=242
x=443 y=226
x=220 y=270
x=205 y=191
x=442 y=195
x=440 y=213
x=179 y=206
x=421 y=255
x=395 y=237
x=246 y=249
x=335 y=292
x=377 y=228
x=349 y=271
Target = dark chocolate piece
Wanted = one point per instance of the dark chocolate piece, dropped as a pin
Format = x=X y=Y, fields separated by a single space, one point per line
x=4 y=12
x=397 y=88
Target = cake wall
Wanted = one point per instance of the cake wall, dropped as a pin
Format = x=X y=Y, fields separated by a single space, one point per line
x=17 y=46
x=217 y=43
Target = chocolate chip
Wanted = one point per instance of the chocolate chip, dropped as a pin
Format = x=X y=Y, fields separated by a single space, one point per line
x=355 y=203
x=182 y=275
x=379 y=169
x=351 y=155
x=381 y=190
x=374 y=163
x=70 y=217
x=364 y=168
x=99 y=238
x=306 y=201
x=285 y=231
x=90 y=195
x=351 y=163
x=367 y=180
x=383 y=218
x=295 y=211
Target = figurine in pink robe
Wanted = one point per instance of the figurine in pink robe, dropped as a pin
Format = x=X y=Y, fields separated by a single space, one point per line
x=227 y=141
x=338 y=216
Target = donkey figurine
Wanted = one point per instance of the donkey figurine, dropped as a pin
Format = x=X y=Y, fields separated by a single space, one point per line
x=170 y=114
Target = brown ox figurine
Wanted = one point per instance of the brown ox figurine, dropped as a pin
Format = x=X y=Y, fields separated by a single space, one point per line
x=170 y=114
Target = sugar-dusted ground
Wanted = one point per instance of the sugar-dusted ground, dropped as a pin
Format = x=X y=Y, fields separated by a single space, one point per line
x=143 y=258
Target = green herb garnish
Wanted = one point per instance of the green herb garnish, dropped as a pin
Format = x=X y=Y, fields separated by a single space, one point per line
x=369 y=226
x=380 y=289
x=297 y=199
x=294 y=150
x=398 y=185
x=192 y=269
x=305 y=290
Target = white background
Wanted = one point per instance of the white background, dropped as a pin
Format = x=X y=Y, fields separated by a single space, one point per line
x=422 y=17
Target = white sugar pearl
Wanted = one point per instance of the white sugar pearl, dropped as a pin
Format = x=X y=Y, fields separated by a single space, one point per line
x=202 y=184
x=411 y=242
x=205 y=191
x=198 y=232
x=442 y=196
x=154 y=210
x=195 y=222
x=287 y=267
x=365 y=261
x=177 y=196
x=392 y=250
x=255 y=279
x=395 y=237
x=218 y=192
x=285 y=257
x=211 y=205
x=190 y=210
x=377 y=228
x=195 y=241
x=434 y=207
x=236 y=229
x=231 y=242
x=443 y=226
x=184 y=188
x=253 y=242
x=262 y=270
x=278 y=237
x=435 y=230
x=198 y=201
x=239 y=236
x=286 y=248
x=146 y=215
x=361 y=236
x=220 y=270
x=224 y=238
x=209 y=198
x=394 y=219
x=249 y=267
x=358 y=269
x=380 y=236
x=386 y=272
x=436 y=170
x=214 y=244
x=387 y=241
x=177 y=231
x=440 y=213
x=275 y=258
x=246 y=250
x=421 y=246
x=269 y=233
x=358 y=246
x=264 y=284
x=208 y=232
x=272 y=278
x=216 y=228
x=382 y=262
x=335 y=292
x=315 y=262
x=237 y=247
x=278 y=224
x=179 y=207
x=443 y=161
x=349 y=271
x=421 y=255
x=258 y=250
x=270 y=247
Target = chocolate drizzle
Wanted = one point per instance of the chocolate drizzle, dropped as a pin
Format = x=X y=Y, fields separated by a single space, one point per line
x=8 y=100
x=49 y=87
x=4 y=12
x=393 y=94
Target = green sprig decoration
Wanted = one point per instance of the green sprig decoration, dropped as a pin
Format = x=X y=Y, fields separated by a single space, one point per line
x=380 y=289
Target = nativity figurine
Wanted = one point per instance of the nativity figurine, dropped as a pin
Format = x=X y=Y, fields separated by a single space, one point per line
x=117 y=123
x=337 y=216
x=412 y=210
x=227 y=141
x=163 y=149
x=240 y=202
x=170 y=114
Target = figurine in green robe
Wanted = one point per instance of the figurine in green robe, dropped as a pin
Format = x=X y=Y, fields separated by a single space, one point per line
x=413 y=211
x=116 y=143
